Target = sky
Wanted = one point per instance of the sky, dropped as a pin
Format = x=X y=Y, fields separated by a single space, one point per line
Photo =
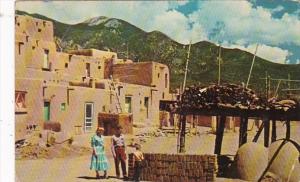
x=272 y=24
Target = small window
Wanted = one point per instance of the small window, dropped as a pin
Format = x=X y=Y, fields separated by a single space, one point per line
x=158 y=75
x=20 y=101
x=27 y=38
x=20 y=47
x=39 y=30
x=37 y=43
x=163 y=95
x=44 y=23
x=128 y=105
x=46 y=59
x=99 y=67
x=18 y=24
x=63 y=106
x=33 y=47
x=70 y=57
x=66 y=65
x=166 y=80
x=36 y=23
x=88 y=69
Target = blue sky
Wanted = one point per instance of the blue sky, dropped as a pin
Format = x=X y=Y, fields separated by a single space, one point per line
x=273 y=24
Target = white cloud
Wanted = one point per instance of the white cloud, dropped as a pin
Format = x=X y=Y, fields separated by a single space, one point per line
x=240 y=20
x=277 y=9
x=274 y=54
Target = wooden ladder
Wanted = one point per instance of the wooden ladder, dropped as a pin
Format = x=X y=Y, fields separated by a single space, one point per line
x=112 y=87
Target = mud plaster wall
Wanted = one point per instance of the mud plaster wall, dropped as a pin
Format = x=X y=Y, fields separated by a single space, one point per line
x=176 y=167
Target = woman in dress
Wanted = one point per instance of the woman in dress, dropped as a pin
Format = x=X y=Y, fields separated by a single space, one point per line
x=99 y=160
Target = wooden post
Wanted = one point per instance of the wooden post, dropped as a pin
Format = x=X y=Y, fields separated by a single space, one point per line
x=258 y=133
x=219 y=134
x=266 y=132
x=243 y=130
x=288 y=129
x=182 y=135
x=273 y=138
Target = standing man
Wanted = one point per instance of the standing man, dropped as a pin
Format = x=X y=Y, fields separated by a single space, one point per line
x=118 y=150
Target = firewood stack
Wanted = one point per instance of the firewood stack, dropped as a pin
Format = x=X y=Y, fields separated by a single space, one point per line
x=282 y=105
x=227 y=96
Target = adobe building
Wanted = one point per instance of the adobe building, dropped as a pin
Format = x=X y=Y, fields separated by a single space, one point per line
x=73 y=88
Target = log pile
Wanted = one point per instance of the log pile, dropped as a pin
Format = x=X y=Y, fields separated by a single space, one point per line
x=231 y=96
x=282 y=105
x=228 y=96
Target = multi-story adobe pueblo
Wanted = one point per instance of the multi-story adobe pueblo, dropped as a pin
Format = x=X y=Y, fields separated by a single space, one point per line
x=72 y=88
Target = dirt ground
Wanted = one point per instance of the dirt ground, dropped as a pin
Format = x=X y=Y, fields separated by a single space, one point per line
x=75 y=168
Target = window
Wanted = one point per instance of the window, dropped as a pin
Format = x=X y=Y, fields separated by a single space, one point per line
x=119 y=91
x=66 y=65
x=87 y=69
x=128 y=108
x=158 y=75
x=36 y=23
x=99 y=67
x=44 y=23
x=63 y=106
x=46 y=111
x=70 y=57
x=27 y=38
x=146 y=104
x=20 y=47
x=88 y=117
x=33 y=47
x=163 y=95
x=37 y=43
x=39 y=30
x=46 y=59
x=20 y=105
x=166 y=80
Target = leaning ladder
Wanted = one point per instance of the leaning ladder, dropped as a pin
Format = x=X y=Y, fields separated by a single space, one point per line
x=112 y=87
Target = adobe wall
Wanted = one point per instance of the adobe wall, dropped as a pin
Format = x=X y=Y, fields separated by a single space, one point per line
x=135 y=73
x=176 y=167
x=110 y=121
x=160 y=78
x=33 y=27
x=33 y=37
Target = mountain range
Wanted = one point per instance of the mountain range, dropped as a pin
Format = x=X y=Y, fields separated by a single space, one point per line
x=134 y=43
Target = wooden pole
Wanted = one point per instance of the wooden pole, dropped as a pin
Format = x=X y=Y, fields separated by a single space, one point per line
x=288 y=129
x=266 y=132
x=243 y=130
x=273 y=138
x=182 y=135
x=219 y=134
x=258 y=133
x=186 y=66
x=251 y=66
x=219 y=62
x=267 y=89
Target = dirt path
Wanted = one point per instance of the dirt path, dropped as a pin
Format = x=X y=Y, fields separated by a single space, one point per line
x=76 y=169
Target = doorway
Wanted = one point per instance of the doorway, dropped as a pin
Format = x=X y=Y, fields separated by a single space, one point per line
x=88 y=117
x=47 y=111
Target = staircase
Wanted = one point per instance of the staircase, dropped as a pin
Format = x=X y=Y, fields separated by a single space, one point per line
x=112 y=88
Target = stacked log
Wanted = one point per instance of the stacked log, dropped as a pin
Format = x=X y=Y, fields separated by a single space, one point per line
x=231 y=96
x=220 y=96
x=282 y=105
